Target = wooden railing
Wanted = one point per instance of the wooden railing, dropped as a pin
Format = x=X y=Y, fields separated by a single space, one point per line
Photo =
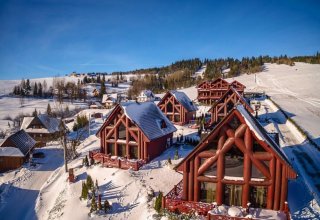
x=174 y=203
x=122 y=163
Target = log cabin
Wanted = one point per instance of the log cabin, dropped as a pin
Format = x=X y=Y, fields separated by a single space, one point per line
x=135 y=131
x=225 y=104
x=42 y=128
x=15 y=149
x=177 y=107
x=211 y=91
x=235 y=164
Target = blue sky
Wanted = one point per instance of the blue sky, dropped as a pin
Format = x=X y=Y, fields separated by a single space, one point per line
x=47 y=38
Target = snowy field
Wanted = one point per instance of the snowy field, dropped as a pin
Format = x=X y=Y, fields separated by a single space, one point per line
x=42 y=192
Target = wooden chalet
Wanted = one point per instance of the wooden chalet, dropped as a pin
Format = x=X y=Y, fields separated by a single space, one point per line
x=42 y=128
x=211 y=91
x=109 y=100
x=146 y=96
x=14 y=150
x=177 y=107
x=225 y=104
x=135 y=131
x=235 y=164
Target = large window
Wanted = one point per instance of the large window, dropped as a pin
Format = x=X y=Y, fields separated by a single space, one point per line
x=234 y=162
x=232 y=195
x=134 y=152
x=169 y=107
x=177 y=118
x=258 y=196
x=122 y=132
x=121 y=150
x=208 y=192
x=256 y=173
x=110 y=147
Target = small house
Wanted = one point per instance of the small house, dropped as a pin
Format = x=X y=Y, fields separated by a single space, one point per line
x=15 y=149
x=146 y=96
x=177 y=107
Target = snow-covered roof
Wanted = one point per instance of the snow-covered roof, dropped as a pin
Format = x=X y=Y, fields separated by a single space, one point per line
x=148 y=118
x=260 y=132
x=20 y=140
x=184 y=100
x=51 y=124
x=10 y=152
x=146 y=93
x=109 y=97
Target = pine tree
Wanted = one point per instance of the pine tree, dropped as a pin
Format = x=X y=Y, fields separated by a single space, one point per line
x=49 y=112
x=176 y=155
x=84 y=191
x=169 y=160
x=157 y=205
x=89 y=182
x=86 y=161
x=28 y=87
x=102 y=89
x=93 y=204
x=35 y=113
x=35 y=89
x=40 y=89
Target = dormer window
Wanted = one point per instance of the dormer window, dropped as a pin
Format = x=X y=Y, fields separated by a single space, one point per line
x=163 y=124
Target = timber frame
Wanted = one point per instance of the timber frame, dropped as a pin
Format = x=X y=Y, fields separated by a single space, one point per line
x=137 y=145
x=174 y=110
x=225 y=104
x=270 y=162
x=211 y=91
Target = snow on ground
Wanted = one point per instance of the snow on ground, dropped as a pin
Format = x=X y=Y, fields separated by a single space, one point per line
x=304 y=158
x=294 y=88
x=11 y=106
x=19 y=188
x=126 y=190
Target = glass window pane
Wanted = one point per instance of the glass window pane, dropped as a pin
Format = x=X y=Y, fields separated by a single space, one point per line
x=121 y=150
x=233 y=195
x=134 y=152
x=111 y=149
x=234 y=162
x=258 y=196
x=207 y=192
x=122 y=132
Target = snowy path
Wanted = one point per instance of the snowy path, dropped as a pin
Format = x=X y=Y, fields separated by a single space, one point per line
x=24 y=190
x=303 y=157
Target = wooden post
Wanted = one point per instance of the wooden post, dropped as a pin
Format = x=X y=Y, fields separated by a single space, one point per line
x=127 y=139
x=276 y=204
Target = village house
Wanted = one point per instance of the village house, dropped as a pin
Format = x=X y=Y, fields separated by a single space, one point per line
x=109 y=100
x=146 y=96
x=14 y=150
x=95 y=92
x=211 y=91
x=42 y=128
x=236 y=164
x=225 y=104
x=135 y=131
x=177 y=107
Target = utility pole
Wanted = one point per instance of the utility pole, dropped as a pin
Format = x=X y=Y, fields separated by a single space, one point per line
x=65 y=151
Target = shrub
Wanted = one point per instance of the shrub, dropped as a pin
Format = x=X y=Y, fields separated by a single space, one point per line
x=89 y=182
x=157 y=204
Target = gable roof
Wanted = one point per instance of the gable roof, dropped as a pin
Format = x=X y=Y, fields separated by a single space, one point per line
x=108 y=97
x=235 y=82
x=147 y=93
x=51 y=124
x=253 y=125
x=214 y=82
x=241 y=99
x=20 y=140
x=184 y=100
x=148 y=117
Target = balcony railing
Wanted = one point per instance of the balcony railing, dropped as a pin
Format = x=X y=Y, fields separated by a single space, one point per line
x=114 y=161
